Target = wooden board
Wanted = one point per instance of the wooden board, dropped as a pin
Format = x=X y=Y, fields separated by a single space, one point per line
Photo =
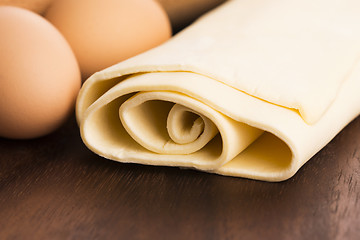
x=55 y=188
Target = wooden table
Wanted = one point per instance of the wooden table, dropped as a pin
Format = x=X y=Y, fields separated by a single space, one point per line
x=55 y=188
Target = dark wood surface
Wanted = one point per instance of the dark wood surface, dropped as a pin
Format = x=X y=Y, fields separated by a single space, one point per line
x=55 y=188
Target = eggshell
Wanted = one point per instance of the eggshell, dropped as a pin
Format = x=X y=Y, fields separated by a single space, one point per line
x=38 y=6
x=39 y=75
x=105 y=32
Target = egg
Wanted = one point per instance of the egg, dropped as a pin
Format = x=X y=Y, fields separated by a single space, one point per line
x=105 y=32
x=38 y=6
x=39 y=75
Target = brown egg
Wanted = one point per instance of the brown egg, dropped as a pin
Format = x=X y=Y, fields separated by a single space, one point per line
x=38 y=6
x=105 y=32
x=39 y=75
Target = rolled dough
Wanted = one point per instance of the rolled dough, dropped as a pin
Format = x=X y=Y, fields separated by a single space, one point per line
x=252 y=89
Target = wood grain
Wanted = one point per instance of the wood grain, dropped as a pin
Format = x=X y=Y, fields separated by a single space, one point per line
x=55 y=188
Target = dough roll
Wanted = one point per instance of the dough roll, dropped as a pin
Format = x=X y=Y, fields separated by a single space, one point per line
x=252 y=89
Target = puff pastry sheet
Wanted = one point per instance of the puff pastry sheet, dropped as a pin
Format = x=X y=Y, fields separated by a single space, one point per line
x=252 y=89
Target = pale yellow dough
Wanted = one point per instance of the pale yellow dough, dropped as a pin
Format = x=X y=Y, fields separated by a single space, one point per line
x=252 y=89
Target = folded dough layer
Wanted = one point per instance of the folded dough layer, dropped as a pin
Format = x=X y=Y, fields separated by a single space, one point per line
x=241 y=92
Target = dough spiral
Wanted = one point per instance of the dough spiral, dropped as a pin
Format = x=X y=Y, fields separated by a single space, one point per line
x=241 y=92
